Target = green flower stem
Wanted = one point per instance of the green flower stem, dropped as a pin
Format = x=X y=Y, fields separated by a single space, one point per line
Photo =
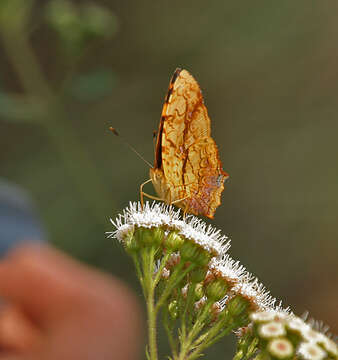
x=239 y=355
x=222 y=328
x=186 y=346
x=148 y=265
x=138 y=270
x=145 y=269
x=169 y=327
x=247 y=348
x=175 y=278
x=200 y=322
x=205 y=344
x=229 y=320
x=151 y=325
x=214 y=335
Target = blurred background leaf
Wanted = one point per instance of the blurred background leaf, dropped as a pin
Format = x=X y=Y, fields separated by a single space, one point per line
x=77 y=24
x=92 y=86
x=269 y=76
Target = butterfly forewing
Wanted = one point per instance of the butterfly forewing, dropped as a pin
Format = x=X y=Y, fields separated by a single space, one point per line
x=187 y=165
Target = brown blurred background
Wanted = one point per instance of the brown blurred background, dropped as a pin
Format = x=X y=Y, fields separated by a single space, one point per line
x=269 y=75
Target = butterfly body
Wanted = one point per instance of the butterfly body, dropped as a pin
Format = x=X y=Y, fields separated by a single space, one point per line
x=187 y=169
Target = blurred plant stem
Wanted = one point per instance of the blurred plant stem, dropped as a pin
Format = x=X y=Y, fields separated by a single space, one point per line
x=53 y=117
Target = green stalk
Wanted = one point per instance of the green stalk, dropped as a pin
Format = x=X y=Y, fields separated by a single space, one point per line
x=148 y=265
x=239 y=355
x=138 y=270
x=205 y=344
x=168 y=326
x=151 y=325
x=186 y=346
x=74 y=155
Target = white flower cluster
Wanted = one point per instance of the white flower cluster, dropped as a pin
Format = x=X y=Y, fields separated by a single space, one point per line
x=275 y=322
x=276 y=327
x=246 y=284
x=159 y=214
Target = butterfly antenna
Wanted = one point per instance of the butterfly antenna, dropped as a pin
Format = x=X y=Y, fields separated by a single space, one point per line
x=114 y=131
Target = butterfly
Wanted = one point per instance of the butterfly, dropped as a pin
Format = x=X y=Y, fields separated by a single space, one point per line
x=187 y=170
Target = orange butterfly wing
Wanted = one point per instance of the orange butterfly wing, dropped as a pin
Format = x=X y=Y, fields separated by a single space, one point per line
x=187 y=169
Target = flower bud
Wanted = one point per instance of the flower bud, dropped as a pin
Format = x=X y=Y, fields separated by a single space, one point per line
x=173 y=309
x=173 y=241
x=237 y=306
x=280 y=348
x=200 y=303
x=271 y=329
x=165 y=274
x=194 y=253
x=184 y=291
x=149 y=237
x=216 y=289
x=215 y=311
x=199 y=291
x=130 y=243
x=173 y=260
x=236 y=311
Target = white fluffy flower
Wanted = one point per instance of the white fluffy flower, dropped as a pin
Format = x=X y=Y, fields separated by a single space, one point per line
x=297 y=324
x=311 y=351
x=246 y=285
x=268 y=315
x=330 y=346
x=229 y=268
x=271 y=329
x=311 y=335
x=280 y=348
x=155 y=215
x=250 y=288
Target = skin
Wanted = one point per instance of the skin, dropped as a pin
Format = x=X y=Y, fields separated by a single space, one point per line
x=54 y=307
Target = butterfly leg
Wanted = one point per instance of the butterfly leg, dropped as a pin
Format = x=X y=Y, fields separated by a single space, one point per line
x=186 y=205
x=185 y=211
x=142 y=193
x=176 y=201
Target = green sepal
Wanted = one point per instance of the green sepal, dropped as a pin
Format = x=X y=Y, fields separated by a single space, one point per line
x=173 y=241
x=194 y=253
x=238 y=306
x=216 y=289
x=149 y=237
x=197 y=275
x=130 y=243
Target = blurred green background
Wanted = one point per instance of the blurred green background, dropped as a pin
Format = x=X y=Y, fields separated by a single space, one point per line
x=269 y=75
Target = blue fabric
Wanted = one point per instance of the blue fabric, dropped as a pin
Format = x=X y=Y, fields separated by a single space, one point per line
x=18 y=218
